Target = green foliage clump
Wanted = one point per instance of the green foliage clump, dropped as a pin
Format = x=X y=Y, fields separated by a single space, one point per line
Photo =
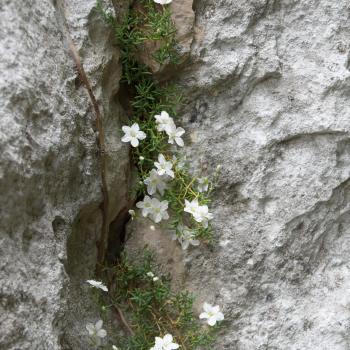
x=147 y=305
x=149 y=22
x=152 y=309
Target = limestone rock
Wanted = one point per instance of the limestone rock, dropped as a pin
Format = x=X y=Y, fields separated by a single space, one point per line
x=183 y=17
x=267 y=98
x=268 y=101
x=143 y=234
x=50 y=180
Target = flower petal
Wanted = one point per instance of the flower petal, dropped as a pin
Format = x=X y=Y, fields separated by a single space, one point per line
x=207 y=307
x=212 y=321
x=126 y=129
x=216 y=309
x=141 y=135
x=135 y=127
x=101 y=333
x=220 y=316
x=134 y=142
x=203 y=315
x=168 y=338
x=126 y=138
x=159 y=341
x=99 y=324
x=180 y=131
x=180 y=141
x=90 y=328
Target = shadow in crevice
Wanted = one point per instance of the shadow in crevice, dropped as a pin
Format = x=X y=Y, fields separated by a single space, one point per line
x=116 y=236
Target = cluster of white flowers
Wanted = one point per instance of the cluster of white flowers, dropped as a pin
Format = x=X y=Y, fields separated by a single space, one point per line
x=164 y=167
x=167 y=124
x=155 y=182
x=211 y=314
x=133 y=134
x=199 y=212
x=156 y=209
x=163 y=172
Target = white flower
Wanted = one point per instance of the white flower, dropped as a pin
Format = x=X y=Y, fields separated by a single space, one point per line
x=115 y=347
x=98 y=284
x=155 y=279
x=175 y=134
x=163 y=2
x=165 y=343
x=212 y=314
x=191 y=207
x=164 y=167
x=145 y=205
x=155 y=208
x=200 y=212
x=96 y=332
x=187 y=237
x=152 y=228
x=133 y=134
x=155 y=182
x=202 y=215
x=142 y=158
x=164 y=121
x=158 y=210
x=203 y=184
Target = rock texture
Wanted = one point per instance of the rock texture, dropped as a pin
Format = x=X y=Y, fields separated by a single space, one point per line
x=268 y=99
x=267 y=88
x=269 y=84
x=50 y=180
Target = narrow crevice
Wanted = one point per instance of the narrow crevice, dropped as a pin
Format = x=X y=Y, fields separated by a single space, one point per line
x=116 y=236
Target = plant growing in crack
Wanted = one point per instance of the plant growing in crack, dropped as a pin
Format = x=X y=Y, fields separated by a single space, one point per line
x=153 y=134
x=156 y=317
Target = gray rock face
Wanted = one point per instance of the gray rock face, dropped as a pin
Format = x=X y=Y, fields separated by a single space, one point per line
x=268 y=87
x=50 y=180
x=268 y=100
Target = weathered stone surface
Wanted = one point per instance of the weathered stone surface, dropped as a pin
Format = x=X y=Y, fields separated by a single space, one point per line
x=270 y=104
x=50 y=180
x=268 y=100
x=183 y=19
x=267 y=90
